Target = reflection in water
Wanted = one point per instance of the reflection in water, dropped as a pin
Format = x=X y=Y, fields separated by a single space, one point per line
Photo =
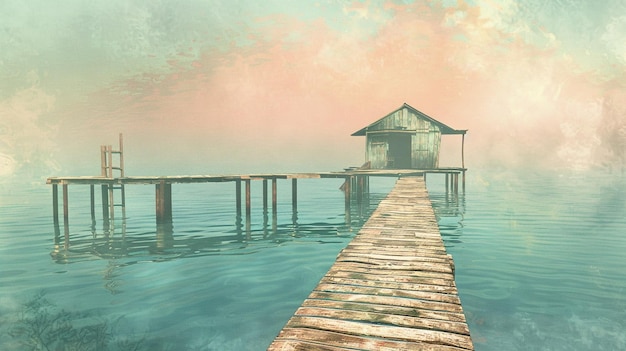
x=449 y=209
x=112 y=241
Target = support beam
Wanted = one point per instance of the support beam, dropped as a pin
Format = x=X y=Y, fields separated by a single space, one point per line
x=347 y=192
x=92 y=203
x=103 y=161
x=274 y=206
x=111 y=203
x=463 y=182
x=264 y=195
x=274 y=197
x=238 y=197
x=110 y=161
x=359 y=191
x=105 y=204
x=65 y=206
x=248 y=207
x=163 y=193
x=294 y=200
x=55 y=204
x=462 y=150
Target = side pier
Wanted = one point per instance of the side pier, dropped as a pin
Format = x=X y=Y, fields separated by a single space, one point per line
x=391 y=288
x=355 y=183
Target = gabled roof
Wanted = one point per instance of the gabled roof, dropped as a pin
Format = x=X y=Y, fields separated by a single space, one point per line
x=444 y=128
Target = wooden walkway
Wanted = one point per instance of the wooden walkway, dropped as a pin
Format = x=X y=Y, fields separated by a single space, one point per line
x=391 y=288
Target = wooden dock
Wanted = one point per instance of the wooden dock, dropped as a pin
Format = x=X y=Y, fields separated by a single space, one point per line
x=391 y=288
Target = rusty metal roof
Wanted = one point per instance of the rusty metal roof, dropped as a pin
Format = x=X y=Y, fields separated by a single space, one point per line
x=443 y=127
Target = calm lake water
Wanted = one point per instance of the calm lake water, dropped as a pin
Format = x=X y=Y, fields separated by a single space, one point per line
x=540 y=264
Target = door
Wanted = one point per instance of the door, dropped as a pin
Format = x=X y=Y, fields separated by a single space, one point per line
x=399 y=154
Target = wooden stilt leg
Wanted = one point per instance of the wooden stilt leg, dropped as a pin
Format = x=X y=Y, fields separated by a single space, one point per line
x=294 y=200
x=55 y=204
x=463 y=182
x=248 y=207
x=264 y=195
x=92 y=203
x=105 y=205
x=274 y=205
x=65 y=205
x=238 y=197
x=163 y=192
x=347 y=192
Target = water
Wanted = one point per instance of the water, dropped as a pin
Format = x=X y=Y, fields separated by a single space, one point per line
x=539 y=262
x=205 y=283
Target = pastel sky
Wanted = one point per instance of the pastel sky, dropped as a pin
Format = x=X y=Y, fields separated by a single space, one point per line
x=214 y=87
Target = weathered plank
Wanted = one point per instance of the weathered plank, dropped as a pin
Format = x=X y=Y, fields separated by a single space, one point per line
x=357 y=267
x=387 y=300
x=397 y=310
x=290 y=339
x=383 y=331
x=442 y=289
x=385 y=318
x=380 y=291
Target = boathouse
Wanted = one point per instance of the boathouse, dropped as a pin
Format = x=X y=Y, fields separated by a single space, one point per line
x=406 y=139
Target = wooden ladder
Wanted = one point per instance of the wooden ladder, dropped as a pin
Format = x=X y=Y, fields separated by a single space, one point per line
x=107 y=169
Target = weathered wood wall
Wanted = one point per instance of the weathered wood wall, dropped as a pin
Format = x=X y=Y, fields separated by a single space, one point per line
x=425 y=140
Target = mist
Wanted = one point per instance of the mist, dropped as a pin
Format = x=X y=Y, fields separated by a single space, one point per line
x=207 y=87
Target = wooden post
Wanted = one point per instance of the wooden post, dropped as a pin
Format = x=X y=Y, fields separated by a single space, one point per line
x=110 y=161
x=294 y=200
x=463 y=182
x=65 y=206
x=158 y=198
x=463 y=151
x=248 y=207
x=121 y=150
x=105 y=204
x=274 y=206
x=463 y=159
x=163 y=192
x=264 y=195
x=109 y=174
x=238 y=197
x=447 y=181
x=274 y=197
x=92 y=203
x=55 y=204
x=347 y=192
x=265 y=217
x=103 y=161
x=359 y=190
x=111 y=203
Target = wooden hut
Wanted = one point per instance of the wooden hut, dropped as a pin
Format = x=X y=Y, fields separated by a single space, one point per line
x=406 y=139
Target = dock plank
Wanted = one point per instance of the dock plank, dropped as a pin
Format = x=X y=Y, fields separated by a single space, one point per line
x=391 y=288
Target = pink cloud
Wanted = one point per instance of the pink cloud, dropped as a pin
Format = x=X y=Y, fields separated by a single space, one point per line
x=292 y=97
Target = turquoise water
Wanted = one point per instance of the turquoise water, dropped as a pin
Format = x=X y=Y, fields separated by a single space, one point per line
x=540 y=260
x=540 y=264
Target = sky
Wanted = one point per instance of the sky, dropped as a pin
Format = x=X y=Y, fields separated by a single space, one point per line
x=223 y=87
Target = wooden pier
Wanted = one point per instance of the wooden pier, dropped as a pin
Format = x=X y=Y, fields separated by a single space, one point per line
x=355 y=184
x=391 y=288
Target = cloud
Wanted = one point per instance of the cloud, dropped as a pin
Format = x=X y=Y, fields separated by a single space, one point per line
x=27 y=144
x=284 y=84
